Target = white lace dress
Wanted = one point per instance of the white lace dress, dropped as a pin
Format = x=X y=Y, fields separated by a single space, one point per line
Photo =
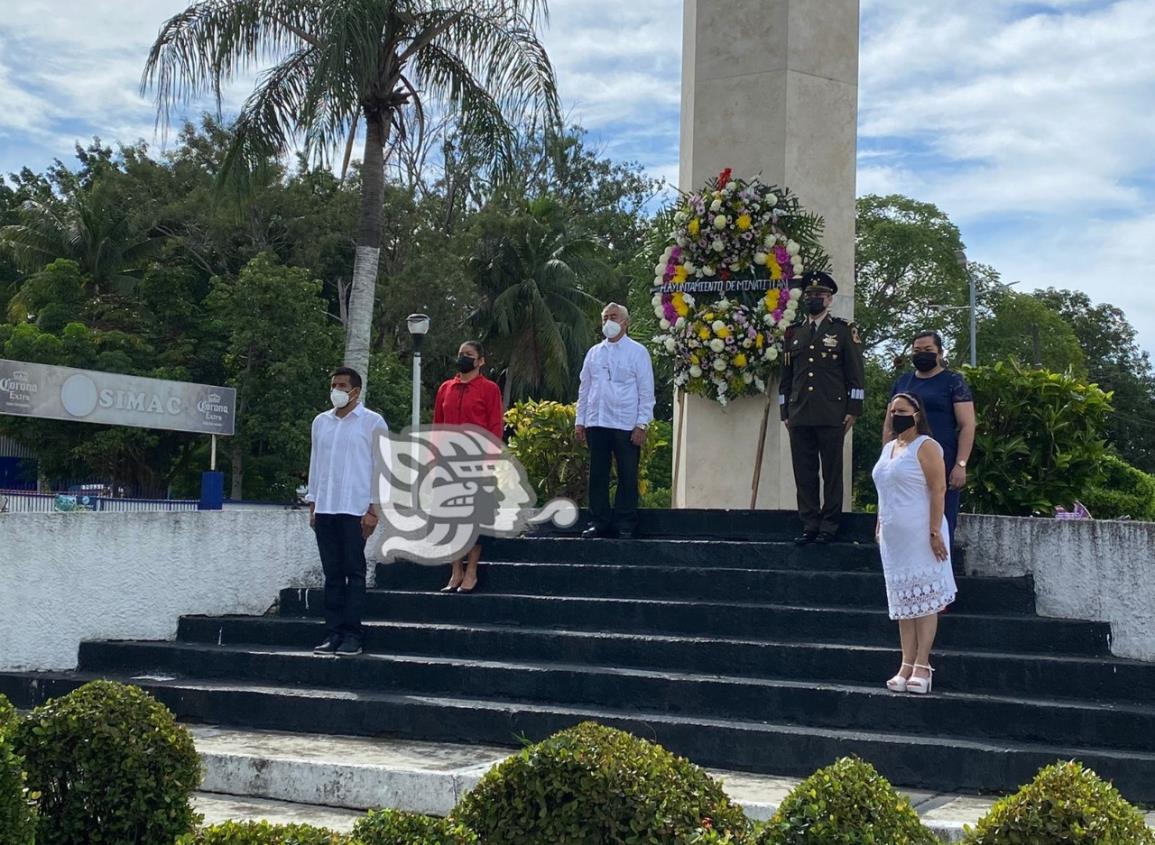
x=917 y=584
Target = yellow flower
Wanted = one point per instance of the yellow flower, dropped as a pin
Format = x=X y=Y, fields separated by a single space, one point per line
x=708 y=316
x=775 y=270
x=743 y=222
x=759 y=339
x=723 y=332
x=679 y=303
x=679 y=274
x=740 y=360
x=694 y=359
x=693 y=227
x=704 y=333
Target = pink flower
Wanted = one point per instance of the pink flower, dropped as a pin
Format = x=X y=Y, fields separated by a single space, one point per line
x=777 y=315
x=668 y=310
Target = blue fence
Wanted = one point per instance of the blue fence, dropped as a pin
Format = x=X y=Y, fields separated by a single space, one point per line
x=21 y=501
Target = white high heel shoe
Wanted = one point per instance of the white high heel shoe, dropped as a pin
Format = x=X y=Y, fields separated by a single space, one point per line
x=898 y=682
x=921 y=686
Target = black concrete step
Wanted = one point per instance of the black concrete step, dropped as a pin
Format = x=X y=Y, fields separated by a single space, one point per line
x=1029 y=675
x=942 y=762
x=805 y=703
x=748 y=619
x=727 y=525
x=839 y=589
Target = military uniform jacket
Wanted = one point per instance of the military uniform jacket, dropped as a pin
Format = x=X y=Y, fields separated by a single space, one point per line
x=822 y=376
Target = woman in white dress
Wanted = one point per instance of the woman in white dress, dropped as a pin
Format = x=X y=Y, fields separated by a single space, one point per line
x=911 y=531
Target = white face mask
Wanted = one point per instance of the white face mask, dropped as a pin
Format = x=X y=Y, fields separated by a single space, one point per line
x=611 y=329
x=339 y=398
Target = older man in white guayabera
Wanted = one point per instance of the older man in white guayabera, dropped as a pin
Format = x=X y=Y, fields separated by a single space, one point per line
x=615 y=407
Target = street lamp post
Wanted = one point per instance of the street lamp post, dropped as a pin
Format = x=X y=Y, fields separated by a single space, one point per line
x=418 y=327
x=962 y=260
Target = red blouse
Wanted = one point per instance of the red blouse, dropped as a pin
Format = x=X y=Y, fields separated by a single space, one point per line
x=476 y=402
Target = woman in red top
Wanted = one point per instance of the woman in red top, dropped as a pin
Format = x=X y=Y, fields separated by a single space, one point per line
x=469 y=398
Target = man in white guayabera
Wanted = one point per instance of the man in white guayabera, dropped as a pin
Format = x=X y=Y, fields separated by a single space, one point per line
x=615 y=406
x=344 y=506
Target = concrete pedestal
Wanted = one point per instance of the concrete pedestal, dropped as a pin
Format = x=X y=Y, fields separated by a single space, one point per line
x=769 y=89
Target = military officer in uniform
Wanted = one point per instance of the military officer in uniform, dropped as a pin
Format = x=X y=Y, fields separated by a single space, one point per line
x=820 y=396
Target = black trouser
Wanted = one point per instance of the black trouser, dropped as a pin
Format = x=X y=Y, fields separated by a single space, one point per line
x=810 y=444
x=342 y=551
x=605 y=443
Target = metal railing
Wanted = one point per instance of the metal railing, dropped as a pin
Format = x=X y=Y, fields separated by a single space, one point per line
x=20 y=501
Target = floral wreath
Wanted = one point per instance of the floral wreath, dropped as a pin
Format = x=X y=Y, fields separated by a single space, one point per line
x=739 y=246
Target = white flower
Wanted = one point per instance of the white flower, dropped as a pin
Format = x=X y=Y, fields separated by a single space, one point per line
x=695 y=371
x=761 y=385
x=660 y=269
x=716 y=205
x=680 y=217
x=795 y=294
x=730 y=187
x=792 y=247
x=681 y=241
x=690 y=268
x=719 y=364
x=760 y=258
x=664 y=325
x=747 y=378
x=717 y=344
x=717 y=325
x=720 y=221
x=681 y=322
x=769 y=241
x=688 y=299
x=668 y=252
x=708 y=270
x=656 y=301
x=796 y=260
x=718 y=245
x=768 y=319
x=772 y=353
x=747 y=343
x=670 y=344
x=722 y=400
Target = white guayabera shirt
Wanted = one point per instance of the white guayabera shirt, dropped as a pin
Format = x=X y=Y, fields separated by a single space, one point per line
x=617 y=386
x=341 y=461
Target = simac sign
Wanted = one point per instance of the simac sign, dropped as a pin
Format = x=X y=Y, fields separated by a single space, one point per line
x=62 y=393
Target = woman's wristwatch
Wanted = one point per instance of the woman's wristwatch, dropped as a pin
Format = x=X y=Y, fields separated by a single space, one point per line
x=962 y=464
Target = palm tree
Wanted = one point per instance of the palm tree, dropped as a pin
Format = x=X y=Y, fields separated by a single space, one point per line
x=341 y=61
x=533 y=273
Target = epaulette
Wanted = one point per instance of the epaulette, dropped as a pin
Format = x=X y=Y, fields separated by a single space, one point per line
x=842 y=320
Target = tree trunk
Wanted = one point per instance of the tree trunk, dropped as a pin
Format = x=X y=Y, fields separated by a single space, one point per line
x=360 y=323
x=237 y=474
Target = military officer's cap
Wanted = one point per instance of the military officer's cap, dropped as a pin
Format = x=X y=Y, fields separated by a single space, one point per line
x=817 y=281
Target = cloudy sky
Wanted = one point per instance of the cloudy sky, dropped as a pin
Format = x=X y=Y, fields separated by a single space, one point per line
x=1029 y=123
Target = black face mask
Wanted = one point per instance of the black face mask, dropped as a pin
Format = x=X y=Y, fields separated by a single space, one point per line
x=901 y=423
x=815 y=305
x=465 y=364
x=924 y=362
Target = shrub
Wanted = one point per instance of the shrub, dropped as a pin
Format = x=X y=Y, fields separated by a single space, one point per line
x=1124 y=491
x=111 y=765
x=846 y=803
x=1039 y=442
x=17 y=805
x=592 y=785
x=263 y=833
x=395 y=827
x=8 y=715
x=1065 y=803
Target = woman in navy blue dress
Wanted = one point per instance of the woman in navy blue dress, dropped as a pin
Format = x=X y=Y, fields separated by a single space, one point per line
x=950 y=410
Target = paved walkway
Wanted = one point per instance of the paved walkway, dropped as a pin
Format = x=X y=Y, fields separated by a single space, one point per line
x=327 y=780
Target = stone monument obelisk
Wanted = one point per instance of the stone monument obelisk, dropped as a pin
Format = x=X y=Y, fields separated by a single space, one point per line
x=769 y=89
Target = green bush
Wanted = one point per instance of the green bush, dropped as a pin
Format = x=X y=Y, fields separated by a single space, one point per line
x=8 y=715
x=847 y=803
x=1124 y=491
x=263 y=833
x=1065 y=804
x=592 y=785
x=17 y=804
x=395 y=827
x=111 y=765
x=1039 y=442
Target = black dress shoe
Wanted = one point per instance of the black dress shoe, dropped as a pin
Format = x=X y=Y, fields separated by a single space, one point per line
x=350 y=647
x=627 y=534
x=806 y=539
x=594 y=531
x=824 y=537
x=329 y=646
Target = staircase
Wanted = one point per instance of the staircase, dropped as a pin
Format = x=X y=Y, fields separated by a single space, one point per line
x=715 y=636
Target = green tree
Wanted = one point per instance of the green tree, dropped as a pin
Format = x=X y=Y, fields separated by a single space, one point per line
x=906 y=270
x=1115 y=362
x=533 y=271
x=341 y=61
x=280 y=349
x=1023 y=328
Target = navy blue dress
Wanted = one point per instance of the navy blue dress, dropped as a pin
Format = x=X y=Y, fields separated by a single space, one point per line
x=939 y=394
